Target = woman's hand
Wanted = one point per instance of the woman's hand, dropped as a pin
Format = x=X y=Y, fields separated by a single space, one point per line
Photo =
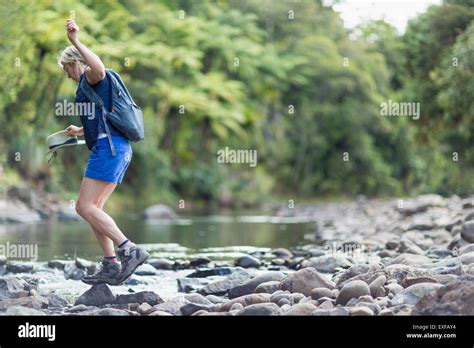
x=72 y=30
x=75 y=131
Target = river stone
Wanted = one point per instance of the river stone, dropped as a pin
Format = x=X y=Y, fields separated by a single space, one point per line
x=466 y=249
x=400 y=272
x=457 y=242
x=439 y=253
x=172 y=306
x=278 y=295
x=198 y=299
x=338 y=311
x=455 y=298
x=297 y=297
x=164 y=264
x=98 y=295
x=278 y=262
x=326 y=263
x=467 y=232
x=467 y=258
x=268 y=287
x=301 y=309
x=283 y=302
x=353 y=289
x=139 y=297
x=20 y=310
x=18 y=267
x=146 y=270
x=304 y=281
x=245 y=300
x=249 y=286
x=35 y=302
x=144 y=308
x=16 y=211
x=190 y=284
x=408 y=281
x=247 y=261
x=215 y=299
x=13 y=287
x=216 y=271
x=394 y=288
x=160 y=314
x=376 y=287
x=407 y=246
x=221 y=287
x=361 y=311
x=200 y=261
x=282 y=253
x=446 y=266
x=318 y=293
x=412 y=294
x=260 y=309
x=85 y=264
x=352 y=272
x=110 y=312
x=76 y=274
x=421 y=223
x=410 y=259
x=56 y=301
x=159 y=211
x=80 y=308
x=58 y=264
x=191 y=308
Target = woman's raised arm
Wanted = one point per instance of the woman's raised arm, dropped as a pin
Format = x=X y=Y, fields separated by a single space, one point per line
x=96 y=69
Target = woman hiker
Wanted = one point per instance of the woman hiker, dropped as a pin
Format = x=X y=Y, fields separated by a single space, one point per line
x=103 y=171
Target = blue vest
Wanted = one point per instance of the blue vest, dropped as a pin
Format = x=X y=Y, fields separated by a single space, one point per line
x=95 y=125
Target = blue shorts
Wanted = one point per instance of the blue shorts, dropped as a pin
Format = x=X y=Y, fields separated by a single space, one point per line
x=103 y=166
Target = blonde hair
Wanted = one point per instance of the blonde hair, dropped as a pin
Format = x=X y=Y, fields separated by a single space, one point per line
x=69 y=55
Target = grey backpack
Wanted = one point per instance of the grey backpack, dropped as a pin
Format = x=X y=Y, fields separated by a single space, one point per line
x=126 y=116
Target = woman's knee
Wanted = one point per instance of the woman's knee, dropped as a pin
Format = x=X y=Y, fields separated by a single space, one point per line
x=84 y=209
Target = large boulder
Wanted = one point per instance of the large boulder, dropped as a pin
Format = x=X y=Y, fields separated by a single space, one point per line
x=159 y=211
x=17 y=211
x=98 y=295
x=455 y=298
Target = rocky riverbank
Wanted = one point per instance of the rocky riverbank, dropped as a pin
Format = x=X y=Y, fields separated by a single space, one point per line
x=366 y=257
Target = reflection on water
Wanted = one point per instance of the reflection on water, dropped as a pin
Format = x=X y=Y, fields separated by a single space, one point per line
x=57 y=239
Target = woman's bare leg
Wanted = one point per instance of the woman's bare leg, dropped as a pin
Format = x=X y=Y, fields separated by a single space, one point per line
x=105 y=242
x=87 y=204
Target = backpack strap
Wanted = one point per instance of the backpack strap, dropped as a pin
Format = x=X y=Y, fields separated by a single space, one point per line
x=95 y=98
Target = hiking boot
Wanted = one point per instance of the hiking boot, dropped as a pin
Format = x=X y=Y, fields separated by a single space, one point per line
x=131 y=258
x=107 y=273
